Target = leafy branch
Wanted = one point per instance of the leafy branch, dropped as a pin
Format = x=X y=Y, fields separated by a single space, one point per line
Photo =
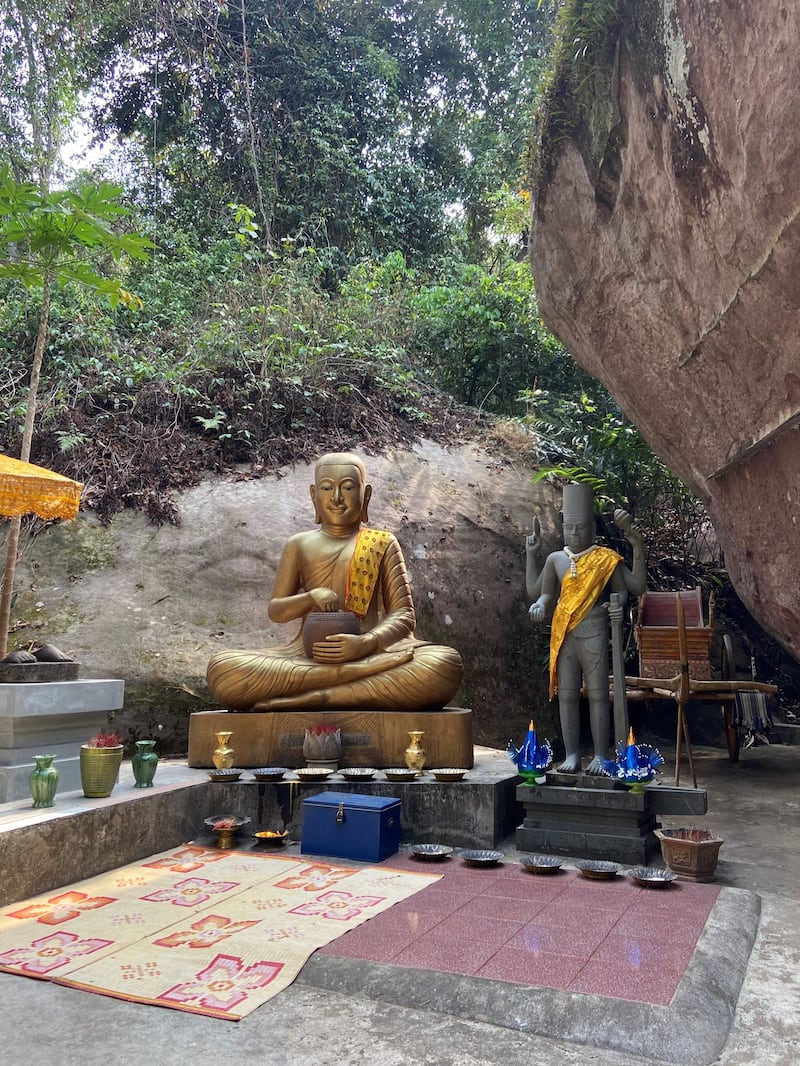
x=42 y=236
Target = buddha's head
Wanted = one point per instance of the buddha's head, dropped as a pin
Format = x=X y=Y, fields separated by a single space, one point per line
x=578 y=516
x=340 y=492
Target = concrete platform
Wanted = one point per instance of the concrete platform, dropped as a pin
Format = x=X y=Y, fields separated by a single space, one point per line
x=738 y=1011
x=53 y=717
x=597 y=818
x=691 y=1028
x=369 y=738
x=79 y=837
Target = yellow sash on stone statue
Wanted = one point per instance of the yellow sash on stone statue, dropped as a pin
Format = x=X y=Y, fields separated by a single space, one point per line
x=365 y=565
x=577 y=597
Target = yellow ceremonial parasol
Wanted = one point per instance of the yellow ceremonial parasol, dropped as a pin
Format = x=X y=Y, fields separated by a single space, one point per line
x=28 y=489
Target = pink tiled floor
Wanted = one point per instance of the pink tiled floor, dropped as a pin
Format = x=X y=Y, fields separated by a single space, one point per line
x=608 y=938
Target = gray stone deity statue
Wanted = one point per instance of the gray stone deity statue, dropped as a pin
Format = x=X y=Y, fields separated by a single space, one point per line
x=573 y=589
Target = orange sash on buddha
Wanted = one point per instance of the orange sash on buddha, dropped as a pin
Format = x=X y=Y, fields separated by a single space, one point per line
x=365 y=566
x=577 y=597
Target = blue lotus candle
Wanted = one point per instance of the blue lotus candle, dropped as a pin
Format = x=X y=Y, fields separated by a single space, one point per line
x=635 y=764
x=533 y=759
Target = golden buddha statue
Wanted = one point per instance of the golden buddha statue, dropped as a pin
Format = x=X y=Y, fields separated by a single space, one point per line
x=347 y=566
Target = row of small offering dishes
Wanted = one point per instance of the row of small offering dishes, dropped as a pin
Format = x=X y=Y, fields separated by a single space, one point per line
x=355 y=773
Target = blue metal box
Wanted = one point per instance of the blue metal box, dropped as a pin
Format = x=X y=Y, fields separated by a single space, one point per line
x=349 y=825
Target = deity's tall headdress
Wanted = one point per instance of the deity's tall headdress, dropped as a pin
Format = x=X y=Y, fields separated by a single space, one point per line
x=578 y=501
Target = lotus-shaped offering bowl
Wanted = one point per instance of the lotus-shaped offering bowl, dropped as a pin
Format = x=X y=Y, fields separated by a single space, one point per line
x=226 y=826
x=269 y=773
x=313 y=773
x=542 y=864
x=598 y=869
x=225 y=774
x=400 y=773
x=431 y=852
x=358 y=773
x=649 y=877
x=481 y=857
x=449 y=773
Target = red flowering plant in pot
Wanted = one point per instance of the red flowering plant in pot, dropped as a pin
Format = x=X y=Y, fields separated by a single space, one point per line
x=322 y=746
x=100 y=760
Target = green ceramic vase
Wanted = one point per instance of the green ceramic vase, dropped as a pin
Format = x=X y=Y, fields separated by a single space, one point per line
x=144 y=764
x=43 y=781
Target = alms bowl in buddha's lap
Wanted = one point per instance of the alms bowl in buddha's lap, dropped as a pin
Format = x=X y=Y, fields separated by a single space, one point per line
x=321 y=624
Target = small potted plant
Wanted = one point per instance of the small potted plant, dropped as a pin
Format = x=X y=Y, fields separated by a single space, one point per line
x=322 y=746
x=100 y=760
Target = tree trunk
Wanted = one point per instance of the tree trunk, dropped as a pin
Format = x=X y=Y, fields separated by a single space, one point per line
x=25 y=453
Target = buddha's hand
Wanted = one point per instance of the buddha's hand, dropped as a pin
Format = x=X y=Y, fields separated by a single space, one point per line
x=324 y=599
x=341 y=648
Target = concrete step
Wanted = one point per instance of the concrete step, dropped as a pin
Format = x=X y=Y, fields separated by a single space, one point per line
x=786 y=732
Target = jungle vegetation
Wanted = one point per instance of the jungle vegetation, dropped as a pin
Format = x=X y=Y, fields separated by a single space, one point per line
x=334 y=195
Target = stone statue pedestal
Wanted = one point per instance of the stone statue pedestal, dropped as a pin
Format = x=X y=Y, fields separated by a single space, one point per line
x=593 y=818
x=55 y=717
x=369 y=738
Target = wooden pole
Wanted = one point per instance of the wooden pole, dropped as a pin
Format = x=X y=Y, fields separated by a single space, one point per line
x=621 y=721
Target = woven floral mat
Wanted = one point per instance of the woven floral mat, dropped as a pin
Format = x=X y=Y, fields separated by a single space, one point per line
x=197 y=929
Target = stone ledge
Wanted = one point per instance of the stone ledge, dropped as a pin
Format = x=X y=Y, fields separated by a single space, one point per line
x=77 y=838
x=787 y=732
x=369 y=738
x=35 y=699
x=54 y=717
x=600 y=820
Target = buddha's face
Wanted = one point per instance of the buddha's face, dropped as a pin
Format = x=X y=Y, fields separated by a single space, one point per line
x=578 y=532
x=340 y=495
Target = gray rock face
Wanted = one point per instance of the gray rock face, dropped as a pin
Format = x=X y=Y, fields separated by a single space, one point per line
x=667 y=259
x=152 y=604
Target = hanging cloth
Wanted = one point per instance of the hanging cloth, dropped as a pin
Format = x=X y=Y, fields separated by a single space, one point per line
x=365 y=565
x=578 y=595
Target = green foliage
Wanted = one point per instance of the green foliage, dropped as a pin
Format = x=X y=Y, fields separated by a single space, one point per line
x=243 y=357
x=44 y=239
x=481 y=337
x=230 y=352
x=59 y=238
x=42 y=235
x=584 y=39
x=589 y=440
x=35 y=88
x=334 y=194
x=348 y=126
x=46 y=52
